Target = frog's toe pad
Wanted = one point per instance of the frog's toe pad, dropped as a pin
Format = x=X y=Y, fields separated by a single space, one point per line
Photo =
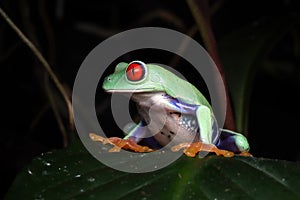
x=224 y=153
x=120 y=143
x=245 y=153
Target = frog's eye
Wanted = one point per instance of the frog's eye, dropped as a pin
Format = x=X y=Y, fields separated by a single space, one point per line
x=136 y=71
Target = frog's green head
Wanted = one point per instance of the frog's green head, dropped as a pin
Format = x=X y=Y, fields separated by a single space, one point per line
x=134 y=77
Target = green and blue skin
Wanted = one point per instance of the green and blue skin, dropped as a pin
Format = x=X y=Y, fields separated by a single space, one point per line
x=182 y=97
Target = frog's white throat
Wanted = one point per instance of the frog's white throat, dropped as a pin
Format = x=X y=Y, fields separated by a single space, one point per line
x=149 y=98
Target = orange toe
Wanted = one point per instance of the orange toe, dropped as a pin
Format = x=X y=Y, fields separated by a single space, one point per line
x=120 y=143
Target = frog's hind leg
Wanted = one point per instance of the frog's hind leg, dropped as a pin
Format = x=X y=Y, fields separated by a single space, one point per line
x=205 y=122
x=229 y=143
x=233 y=141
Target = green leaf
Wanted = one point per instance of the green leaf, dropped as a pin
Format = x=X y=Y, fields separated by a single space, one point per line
x=73 y=173
x=241 y=53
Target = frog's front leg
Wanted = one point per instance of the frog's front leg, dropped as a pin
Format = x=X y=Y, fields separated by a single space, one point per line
x=136 y=133
x=129 y=142
x=204 y=119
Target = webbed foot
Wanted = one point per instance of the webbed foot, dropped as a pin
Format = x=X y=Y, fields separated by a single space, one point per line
x=120 y=143
x=191 y=149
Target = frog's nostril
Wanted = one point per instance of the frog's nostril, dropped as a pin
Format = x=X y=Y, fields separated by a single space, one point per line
x=109 y=79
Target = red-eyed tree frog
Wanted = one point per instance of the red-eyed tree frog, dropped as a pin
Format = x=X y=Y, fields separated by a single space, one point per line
x=169 y=106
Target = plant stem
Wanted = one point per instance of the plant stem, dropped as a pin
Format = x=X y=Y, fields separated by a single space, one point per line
x=44 y=63
x=201 y=14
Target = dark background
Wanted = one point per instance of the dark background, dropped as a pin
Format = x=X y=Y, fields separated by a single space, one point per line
x=66 y=31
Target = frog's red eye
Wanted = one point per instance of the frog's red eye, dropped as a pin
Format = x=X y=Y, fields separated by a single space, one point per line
x=136 y=71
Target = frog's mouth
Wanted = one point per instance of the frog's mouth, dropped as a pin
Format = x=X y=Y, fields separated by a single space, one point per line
x=130 y=91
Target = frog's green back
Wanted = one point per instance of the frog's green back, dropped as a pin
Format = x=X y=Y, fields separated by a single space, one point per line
x=176 y=87
x=154 y=79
